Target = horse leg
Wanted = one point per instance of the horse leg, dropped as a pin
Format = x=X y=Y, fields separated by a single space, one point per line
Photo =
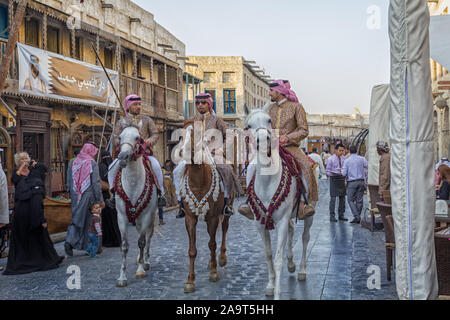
x=290 y=255
x=191 y=225
x=282 y=235
x=305 y=237
x=122 y=281
x=212 y=229
x=223 y=247
x=147 y=248
x=265 y=236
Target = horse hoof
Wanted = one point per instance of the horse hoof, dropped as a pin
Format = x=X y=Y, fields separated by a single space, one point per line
x=140 y=275
x=291 y=267
x=270 y=292
x=301 y=276
x=214 y=277
x=147 y=266
x=189 y=288
x=223 y=262
x=121 y=283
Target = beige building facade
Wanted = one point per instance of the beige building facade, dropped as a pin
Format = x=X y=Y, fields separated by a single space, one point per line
x=233 y=82
x=149 y=60
x=325 y=130
x=440 y=79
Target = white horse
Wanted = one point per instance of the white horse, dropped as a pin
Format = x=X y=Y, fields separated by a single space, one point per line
x=133 y=183
x=265 y=187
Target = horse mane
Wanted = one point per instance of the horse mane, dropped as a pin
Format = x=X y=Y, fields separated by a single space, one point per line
x=133 y=125
x=253 y=112
x=188 y=123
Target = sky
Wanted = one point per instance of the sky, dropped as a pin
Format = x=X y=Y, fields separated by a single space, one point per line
x=332 y=51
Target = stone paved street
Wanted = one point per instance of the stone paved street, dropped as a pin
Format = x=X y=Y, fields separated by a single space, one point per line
x=338 y=257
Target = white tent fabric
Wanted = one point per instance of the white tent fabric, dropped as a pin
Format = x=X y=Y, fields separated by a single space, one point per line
x=411 y=132
x=378 y=128
x=439 y=40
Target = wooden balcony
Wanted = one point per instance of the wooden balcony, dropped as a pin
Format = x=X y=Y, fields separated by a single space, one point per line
x=130 y=85
x=152 y=94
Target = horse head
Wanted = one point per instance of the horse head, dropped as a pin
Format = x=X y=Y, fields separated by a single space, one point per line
x=129 y=138
x=195 y=147
x=259 y=123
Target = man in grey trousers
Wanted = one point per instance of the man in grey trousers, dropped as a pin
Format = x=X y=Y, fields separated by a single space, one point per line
x=355 y=169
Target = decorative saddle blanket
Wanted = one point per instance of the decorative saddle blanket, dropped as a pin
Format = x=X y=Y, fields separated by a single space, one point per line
x=133 y=211
x=291 y=168
x=200 y=208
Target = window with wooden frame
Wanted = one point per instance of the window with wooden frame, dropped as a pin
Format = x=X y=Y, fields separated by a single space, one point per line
x=32 y=30
x=108 y=59
x=53 y=39
x=4 y=21
x=229 y=101
x=77 y=51
x=124 y=63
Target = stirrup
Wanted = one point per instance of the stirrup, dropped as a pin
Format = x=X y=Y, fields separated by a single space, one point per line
x=228 y=211
x=306 y=211
x=246 y=212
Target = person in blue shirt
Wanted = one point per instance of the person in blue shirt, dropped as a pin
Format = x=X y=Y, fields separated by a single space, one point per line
x=355 y=169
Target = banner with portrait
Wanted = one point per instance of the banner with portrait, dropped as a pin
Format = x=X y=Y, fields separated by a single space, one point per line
x=50 y=75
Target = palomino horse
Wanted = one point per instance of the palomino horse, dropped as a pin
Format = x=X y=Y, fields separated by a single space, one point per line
x=269 y=181
x=203 y=199
x=136 y=200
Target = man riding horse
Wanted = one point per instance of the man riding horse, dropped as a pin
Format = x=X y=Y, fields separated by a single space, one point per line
x=289 y=117
x=209 y=119
x=148 y=132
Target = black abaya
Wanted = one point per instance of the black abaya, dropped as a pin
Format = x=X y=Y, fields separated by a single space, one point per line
x=110 y=227
x=31 y=248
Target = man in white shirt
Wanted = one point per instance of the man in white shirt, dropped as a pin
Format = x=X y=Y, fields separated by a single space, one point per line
x=320 y=169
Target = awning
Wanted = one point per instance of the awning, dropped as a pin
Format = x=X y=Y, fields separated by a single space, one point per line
x=440 y=40
x=412 y=141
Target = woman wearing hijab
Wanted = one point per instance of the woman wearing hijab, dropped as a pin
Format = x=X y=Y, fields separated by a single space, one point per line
x=111 y=232
x=83 y=183
x=31 y=248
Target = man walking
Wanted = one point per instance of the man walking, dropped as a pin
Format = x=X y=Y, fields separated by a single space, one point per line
x=355 y=171
x=319 y=167
x=337 y=183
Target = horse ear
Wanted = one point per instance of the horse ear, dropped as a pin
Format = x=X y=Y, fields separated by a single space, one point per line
x=246 y=110
x=266 y=107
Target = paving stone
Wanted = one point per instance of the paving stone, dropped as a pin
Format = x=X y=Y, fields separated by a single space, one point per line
x=338 y=257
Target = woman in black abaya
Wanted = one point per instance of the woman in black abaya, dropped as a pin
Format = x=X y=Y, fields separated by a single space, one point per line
x=110 y=227
x=31 y=248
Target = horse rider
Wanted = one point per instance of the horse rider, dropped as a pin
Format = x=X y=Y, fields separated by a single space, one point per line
x=289 y=117
x=147 y=131
x=209 y=119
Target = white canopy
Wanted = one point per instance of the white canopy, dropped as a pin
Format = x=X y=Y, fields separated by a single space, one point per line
x=440 y=40
x=412 y=145
x=379 y=127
